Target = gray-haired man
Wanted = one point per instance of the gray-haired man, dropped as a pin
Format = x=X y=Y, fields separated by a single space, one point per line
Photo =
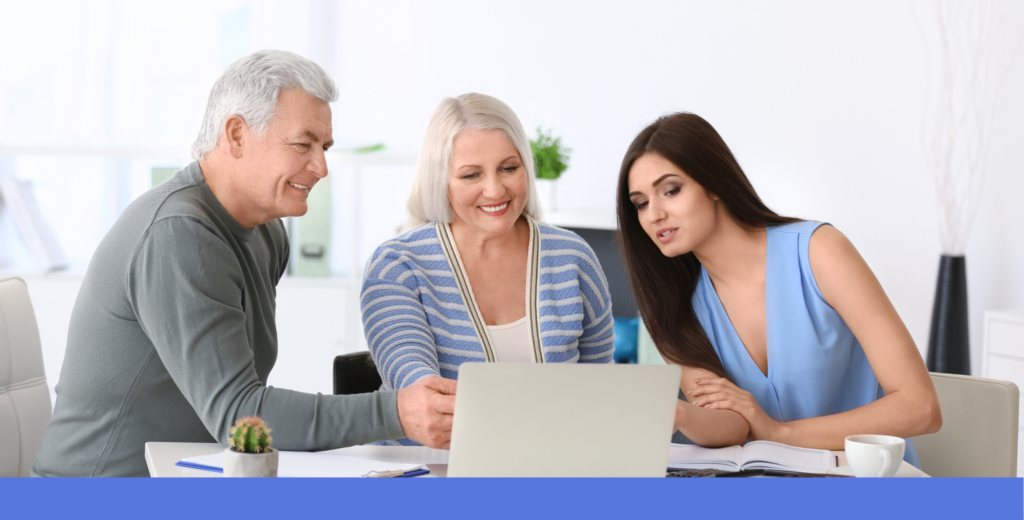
x=173 y=334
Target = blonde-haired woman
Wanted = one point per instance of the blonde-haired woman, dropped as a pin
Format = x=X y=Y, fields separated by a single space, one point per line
x=479 y=277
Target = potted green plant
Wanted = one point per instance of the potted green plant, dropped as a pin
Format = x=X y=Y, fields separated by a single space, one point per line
x=551 y=158
x=249 y=453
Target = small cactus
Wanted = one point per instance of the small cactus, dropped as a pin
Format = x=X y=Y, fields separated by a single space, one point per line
x=250 y=435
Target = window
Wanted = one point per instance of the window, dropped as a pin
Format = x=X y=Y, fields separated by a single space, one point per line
x=95 y=94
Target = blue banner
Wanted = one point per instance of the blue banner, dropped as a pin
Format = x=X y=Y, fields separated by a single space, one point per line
x=417 y=498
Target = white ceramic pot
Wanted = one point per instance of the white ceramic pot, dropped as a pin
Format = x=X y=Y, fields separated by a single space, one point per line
x=250 y=464
x=547 y=194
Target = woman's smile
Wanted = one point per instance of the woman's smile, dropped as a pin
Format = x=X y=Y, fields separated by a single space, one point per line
x=495 y=210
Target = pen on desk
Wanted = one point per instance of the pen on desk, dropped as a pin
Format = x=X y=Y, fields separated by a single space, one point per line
x=399 y=473
x=415 y=473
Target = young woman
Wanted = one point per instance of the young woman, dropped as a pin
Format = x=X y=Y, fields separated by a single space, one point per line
x=479 y=277
x=782 y=331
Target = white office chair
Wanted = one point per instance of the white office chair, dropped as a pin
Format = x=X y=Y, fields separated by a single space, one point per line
x=24 y=396
x=979 y=429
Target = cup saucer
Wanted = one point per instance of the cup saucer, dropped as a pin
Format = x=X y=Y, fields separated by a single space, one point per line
x=842 y=471
x=903 y=472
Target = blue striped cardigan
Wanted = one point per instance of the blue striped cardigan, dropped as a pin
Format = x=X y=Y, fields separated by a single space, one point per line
x=420 y=318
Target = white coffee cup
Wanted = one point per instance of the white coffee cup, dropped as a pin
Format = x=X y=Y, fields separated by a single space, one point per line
x=874 y=455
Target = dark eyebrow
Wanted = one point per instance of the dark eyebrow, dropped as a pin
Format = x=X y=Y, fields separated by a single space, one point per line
x=656 y=183
x=663 y=177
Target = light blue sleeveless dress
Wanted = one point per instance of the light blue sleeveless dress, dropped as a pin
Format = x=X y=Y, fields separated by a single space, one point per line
x=816 y=366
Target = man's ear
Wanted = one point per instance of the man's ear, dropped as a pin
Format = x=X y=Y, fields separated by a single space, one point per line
x=235 y=133
x=713 y=197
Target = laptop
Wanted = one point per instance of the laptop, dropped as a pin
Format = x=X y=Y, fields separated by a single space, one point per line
x=563 y=420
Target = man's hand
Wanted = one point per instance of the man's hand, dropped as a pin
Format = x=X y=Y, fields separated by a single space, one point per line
x=426 y=409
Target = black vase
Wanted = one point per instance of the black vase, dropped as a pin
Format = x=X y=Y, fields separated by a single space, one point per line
x=949 y=349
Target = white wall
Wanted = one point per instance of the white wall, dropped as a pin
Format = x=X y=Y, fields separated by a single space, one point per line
x=822 y=103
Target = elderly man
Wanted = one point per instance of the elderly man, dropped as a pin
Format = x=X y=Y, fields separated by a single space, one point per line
x=173 y=334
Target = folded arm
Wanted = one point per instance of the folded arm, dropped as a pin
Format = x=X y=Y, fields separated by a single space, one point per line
x=705 y=426
x=910 y=406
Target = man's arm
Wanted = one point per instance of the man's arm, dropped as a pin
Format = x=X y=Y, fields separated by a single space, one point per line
x=185 y=286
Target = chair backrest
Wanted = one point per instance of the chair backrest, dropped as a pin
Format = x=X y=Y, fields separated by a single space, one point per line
x=24 y=395
x=355 y=373
x=979 y=429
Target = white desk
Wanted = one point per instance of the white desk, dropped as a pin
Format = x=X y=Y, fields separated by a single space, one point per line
x=161 y=457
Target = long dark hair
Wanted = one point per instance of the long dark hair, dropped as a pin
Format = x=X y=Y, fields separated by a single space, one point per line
x=664 y=286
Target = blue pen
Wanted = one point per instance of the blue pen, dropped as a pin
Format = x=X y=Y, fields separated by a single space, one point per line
x=415 y=473
x=203 y=467
x=399 y=473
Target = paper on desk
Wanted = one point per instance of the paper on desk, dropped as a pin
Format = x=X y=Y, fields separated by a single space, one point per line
x=308 y=464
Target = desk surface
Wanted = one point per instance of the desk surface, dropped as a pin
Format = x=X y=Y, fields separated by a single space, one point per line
x=161 y=457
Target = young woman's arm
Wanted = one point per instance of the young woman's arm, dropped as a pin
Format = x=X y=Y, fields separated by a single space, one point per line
x=910 y=406
x=704 y=426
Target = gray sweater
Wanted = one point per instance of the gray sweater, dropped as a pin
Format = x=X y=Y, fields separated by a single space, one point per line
x=172 y=338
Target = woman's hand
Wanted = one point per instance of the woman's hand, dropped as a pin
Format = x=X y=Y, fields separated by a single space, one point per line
x=718 y=393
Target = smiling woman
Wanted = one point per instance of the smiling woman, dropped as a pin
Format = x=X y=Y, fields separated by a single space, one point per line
x=479 y=277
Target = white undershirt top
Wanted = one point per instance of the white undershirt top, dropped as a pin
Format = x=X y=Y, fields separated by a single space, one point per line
x=511 y=342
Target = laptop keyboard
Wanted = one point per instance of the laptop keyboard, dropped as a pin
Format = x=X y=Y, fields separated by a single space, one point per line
x=696 y=473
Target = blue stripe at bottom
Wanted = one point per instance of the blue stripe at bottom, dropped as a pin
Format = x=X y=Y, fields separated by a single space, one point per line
x=515 y=498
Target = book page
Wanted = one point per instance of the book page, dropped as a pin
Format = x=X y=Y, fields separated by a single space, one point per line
x=774 y=456
x=691 y=456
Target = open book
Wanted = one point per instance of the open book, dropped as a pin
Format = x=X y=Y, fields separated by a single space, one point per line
x=766 y=455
